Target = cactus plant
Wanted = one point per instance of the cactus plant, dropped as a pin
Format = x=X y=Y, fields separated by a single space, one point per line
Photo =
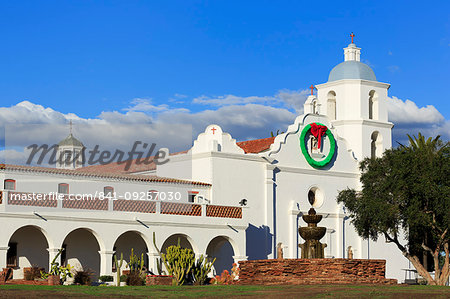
x=135 y=263
x=179 y=262
x=118 y=267
x=201 y=270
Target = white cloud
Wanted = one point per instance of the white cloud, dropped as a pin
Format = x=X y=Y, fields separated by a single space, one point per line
x=130 y=117
x=27 y=112
x=180 y=96
x=140 y=104
x=294 y=98
x=407 y=112
x=393 y=68
x=13 y=156
x=227 y=100
x=243 y=117
x=27 y=123
x=242 y=121
x=408 y=118
x=291 y=99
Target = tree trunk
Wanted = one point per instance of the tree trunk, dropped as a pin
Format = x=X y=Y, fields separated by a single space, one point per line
x=413 y=259
x=420 y=268
x=445 y=272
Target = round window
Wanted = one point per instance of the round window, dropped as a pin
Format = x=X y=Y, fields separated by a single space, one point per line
x=315 y=197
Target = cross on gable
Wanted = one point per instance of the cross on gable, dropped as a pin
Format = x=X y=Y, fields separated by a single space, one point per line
x=213 y=130
x=312 y=89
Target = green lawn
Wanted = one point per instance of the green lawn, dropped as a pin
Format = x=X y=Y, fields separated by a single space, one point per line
x=300 y=291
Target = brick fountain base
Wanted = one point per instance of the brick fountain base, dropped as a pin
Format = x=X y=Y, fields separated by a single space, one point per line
x=313 y=271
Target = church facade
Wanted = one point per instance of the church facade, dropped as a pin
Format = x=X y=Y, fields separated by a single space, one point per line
x=224 y=199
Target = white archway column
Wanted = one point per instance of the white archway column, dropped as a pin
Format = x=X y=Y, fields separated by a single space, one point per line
x=52 y=252
x=3 y=253
x=106 y=262
x=153 y=262
x=238 y=259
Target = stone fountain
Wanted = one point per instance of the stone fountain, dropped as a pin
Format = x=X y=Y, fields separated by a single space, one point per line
x=312 y=248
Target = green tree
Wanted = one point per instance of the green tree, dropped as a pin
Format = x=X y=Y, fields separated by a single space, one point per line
x=407 y=191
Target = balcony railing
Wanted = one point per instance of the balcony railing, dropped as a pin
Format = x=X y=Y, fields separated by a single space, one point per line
x=23 y=199
x=40 y=200
x=138 y=206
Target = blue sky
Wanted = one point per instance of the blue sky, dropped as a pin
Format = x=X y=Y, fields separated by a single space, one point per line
x=152 y=61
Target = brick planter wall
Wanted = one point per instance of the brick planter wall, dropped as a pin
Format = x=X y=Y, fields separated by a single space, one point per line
x=158 y=280
x=26 y=282
x=5 y=275
x=314 y=271
x=53 y=280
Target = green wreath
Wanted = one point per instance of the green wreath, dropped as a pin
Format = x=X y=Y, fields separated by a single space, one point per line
x=311 y=161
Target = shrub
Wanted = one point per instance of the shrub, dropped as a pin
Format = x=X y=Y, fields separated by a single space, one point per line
x=224 y=278
x=123 y=278
x=135 y=279
x=83 y=277
x=106 y=278
x=33 y=273
x=235 y=271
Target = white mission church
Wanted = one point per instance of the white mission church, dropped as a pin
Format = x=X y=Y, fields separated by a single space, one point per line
x=237 y=200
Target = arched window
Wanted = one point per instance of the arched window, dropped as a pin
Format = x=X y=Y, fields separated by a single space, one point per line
x=314 y=107
x=373 y=105
x=63 y=188
x=376 y=145
x=68 y=160
x=9 y=184
x=108 y=191
x=192 y=195
x=331 y=105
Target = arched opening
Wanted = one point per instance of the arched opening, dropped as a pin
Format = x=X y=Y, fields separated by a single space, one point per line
x=373 y=105
x=152 y=195
x=27 y=248
x=63 y=188
x=376 y=145
x=174 y=240
x=331 y=105
x=9 y=184
x=184 y=240
x=127 y=241
x=221 y=249
x=81 y=251
x=315 y=197
x=108 y=191
x=315 y=107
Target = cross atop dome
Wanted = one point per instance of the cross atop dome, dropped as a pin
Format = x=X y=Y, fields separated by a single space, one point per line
x=352 y=67
x=352 y=53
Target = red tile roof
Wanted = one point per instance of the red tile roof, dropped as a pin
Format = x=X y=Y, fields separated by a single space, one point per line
x=256 y=146
x=105 y=175
x=249 y=147
x=115 y=167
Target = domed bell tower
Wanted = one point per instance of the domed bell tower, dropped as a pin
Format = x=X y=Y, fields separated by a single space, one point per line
x=355 y=103
x=70 y=152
